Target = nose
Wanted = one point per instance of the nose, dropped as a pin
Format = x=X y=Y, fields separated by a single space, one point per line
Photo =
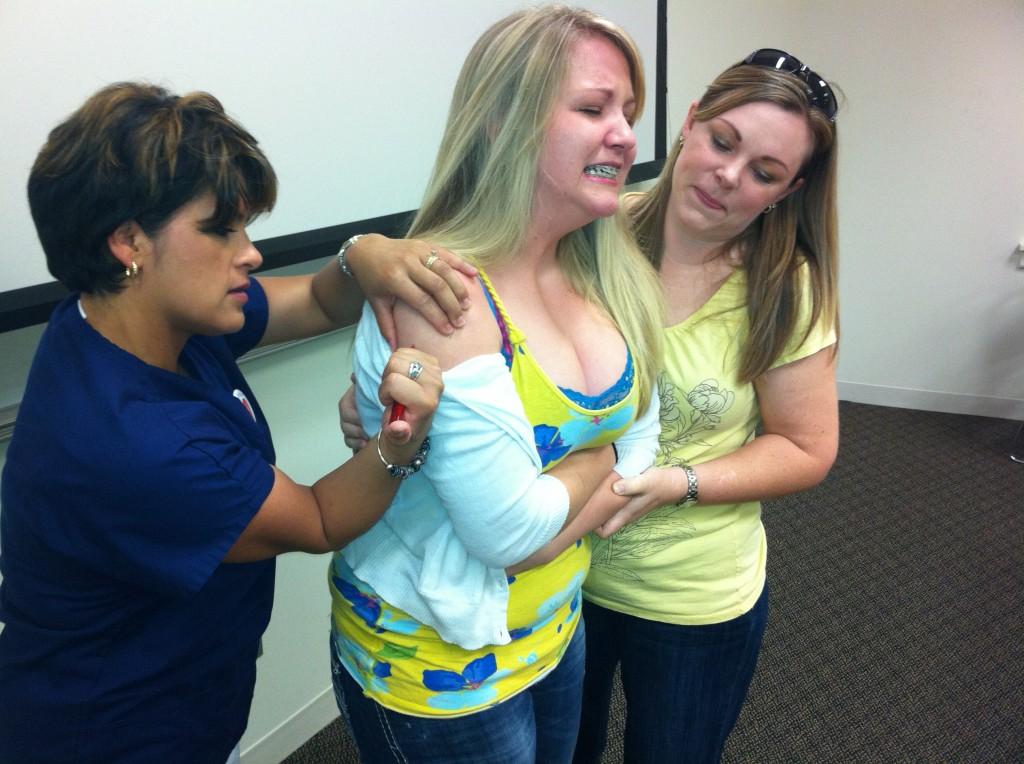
x=250 y=257
x=728 y=174
x=621 y=134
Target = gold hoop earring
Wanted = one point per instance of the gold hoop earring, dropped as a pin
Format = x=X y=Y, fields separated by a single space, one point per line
x=132 y=270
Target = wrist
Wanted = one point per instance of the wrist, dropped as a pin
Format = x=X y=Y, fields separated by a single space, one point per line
x=364 y=243
x=401 y=469
x=344 y=254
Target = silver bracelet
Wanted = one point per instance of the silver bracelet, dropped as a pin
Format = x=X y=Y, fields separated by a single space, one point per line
x=343 y=252
x=691 y=487
x=402 y=471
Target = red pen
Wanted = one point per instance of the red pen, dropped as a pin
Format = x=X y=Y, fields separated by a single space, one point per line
x=397 y=409
x=397 y=412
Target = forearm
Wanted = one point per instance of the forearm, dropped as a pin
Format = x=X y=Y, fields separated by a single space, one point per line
x=583 y=473
x=596 y=510
x=768 y=467
x=351 y=498
x=355 y=495
x=317 y=518
x=337 y=296
x=516 y=515
x=588 y=478
x=306 y=306
x=801 y=436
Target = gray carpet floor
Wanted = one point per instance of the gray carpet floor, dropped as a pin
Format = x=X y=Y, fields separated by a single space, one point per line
x=896 y=621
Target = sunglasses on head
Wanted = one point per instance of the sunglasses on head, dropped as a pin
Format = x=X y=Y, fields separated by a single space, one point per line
x=818 y=92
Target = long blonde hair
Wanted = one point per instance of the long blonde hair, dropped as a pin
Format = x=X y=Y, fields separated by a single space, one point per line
x=802 y=228
x=480 y=196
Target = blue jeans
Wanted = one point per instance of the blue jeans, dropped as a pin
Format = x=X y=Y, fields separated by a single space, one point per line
x=537 y=725
x=684 y=685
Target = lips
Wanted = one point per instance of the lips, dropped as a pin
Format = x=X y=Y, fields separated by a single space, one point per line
x=707 y=200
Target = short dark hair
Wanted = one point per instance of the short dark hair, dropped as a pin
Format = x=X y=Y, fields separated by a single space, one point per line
x=134 y=151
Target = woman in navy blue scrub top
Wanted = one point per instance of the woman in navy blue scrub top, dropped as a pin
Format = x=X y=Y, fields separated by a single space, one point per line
x=142 y=509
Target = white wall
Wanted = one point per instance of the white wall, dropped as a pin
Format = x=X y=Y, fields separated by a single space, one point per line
x=931 y=181
x=343 y=96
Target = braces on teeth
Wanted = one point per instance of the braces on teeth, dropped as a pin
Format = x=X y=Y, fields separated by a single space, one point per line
x=601 y=171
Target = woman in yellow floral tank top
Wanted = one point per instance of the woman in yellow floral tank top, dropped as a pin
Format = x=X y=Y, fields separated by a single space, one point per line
x=456 y=630
x=741 y=225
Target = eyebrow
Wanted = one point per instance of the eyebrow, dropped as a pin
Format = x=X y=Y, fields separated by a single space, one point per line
x=605 y=91
x=739 y=137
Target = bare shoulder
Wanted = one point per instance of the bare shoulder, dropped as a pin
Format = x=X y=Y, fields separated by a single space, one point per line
x=479 y=335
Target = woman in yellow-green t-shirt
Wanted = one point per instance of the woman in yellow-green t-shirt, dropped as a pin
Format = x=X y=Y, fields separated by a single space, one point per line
x=742 y=227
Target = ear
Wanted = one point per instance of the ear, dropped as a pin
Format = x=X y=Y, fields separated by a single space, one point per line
x=792 y=187
x=688 y=124
x=125 y=240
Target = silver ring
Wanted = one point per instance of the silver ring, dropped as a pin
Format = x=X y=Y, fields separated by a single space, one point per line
x=431 y=259
x=415 y=369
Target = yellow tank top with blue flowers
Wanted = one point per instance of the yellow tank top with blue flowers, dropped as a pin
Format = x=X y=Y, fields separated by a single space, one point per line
x=405 y=665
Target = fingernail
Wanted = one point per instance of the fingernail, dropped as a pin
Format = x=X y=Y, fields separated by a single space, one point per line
x=459 y=322
x=617 y=488
x=465 y=303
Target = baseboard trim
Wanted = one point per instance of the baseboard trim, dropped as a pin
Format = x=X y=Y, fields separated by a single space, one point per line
x=930 y=400
x=293 y=732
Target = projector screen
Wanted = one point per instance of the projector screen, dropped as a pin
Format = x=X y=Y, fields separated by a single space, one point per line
x=347 y=97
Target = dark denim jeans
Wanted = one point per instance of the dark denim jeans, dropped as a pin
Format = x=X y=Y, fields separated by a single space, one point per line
x=684 y=685
x=537 y=725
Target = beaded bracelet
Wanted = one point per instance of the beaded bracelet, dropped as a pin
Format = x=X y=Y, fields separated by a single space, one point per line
x=402 y=471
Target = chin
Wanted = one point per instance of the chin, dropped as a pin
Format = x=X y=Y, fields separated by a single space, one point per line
x=224 y=326
x=607 y=209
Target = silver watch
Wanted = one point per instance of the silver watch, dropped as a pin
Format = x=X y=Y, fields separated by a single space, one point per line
x=690 y=498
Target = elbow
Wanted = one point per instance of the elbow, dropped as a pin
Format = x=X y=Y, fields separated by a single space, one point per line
x=331 y=544
x=334 y=540
x=503 y=558
x=320 y=544
x=821 y=465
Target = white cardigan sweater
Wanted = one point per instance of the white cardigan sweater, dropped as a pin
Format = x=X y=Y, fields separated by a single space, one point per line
x=479 y=505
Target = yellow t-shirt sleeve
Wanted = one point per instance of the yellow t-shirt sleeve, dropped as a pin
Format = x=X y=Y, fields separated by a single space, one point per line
x=821 y=335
